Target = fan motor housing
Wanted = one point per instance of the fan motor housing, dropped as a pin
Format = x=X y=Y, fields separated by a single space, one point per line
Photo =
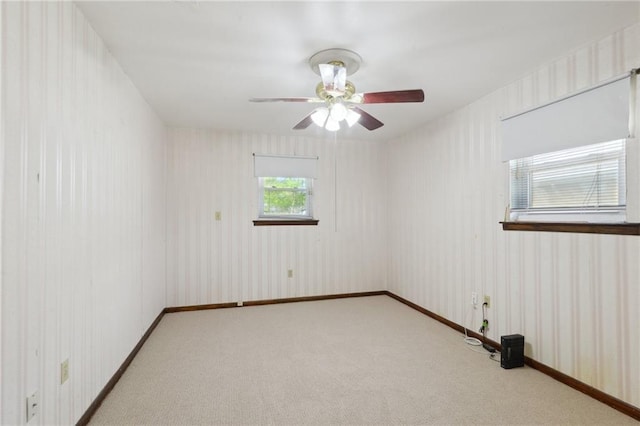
x=349 y=90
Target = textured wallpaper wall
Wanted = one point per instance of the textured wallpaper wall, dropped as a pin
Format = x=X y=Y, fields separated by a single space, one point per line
x=575 y=297
x=83 y=212
x=231 y=260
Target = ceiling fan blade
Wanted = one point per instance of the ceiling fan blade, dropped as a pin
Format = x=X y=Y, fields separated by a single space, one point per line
x=367 y=120
x=306 y=122
x=307 y=100
x=393 y=97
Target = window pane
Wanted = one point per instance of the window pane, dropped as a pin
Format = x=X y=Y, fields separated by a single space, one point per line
x=585 y=178
x=285 y=196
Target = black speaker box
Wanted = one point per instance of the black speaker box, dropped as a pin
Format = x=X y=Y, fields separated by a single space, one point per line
x=512 y=353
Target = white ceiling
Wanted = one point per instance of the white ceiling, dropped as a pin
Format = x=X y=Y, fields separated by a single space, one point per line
x=197 y=63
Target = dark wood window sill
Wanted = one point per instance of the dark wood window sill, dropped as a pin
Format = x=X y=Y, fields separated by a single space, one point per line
x=285 y=222
x=584 y=228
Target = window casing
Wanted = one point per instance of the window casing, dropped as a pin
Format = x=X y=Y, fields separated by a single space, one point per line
x=586 y=184
x=560 y=171
x=285 y=198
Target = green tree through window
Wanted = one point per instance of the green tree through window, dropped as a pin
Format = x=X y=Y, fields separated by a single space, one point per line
x=285 y=196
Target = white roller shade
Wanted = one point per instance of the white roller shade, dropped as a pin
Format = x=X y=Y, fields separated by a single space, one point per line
x=284 y=166
x=596 y=115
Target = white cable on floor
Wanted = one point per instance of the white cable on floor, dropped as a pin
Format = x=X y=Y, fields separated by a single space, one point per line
x=470 y=340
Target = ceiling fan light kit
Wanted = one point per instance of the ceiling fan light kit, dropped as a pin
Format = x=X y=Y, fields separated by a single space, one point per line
x=332 y=125
x=339 y=95
x=331 y=117
x=352 y=117
x=320 y=115
x=338 y=111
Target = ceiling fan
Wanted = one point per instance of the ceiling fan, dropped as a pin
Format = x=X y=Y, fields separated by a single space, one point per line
x=339 y=95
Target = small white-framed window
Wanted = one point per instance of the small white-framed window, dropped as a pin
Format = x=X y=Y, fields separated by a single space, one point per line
x=285 y=186
x=285 y=197
x=586 y=184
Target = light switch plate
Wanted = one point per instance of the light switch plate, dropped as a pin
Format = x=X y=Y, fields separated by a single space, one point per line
x=64 y=371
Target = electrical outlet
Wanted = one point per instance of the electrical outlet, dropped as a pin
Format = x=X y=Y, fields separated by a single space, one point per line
x=218 y=216
x=474 y=298
x=290 y=273
x=64 y=371
x=32 y=405
x=487 y=300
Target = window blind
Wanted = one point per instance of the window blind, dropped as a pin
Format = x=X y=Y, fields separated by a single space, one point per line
x=596 y=115
x=586 y=178
x=284 y=166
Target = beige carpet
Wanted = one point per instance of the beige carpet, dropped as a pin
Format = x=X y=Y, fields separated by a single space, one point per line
x=369 y=360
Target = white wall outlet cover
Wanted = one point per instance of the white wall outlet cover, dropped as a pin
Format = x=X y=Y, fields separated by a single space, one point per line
x=33 y=405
